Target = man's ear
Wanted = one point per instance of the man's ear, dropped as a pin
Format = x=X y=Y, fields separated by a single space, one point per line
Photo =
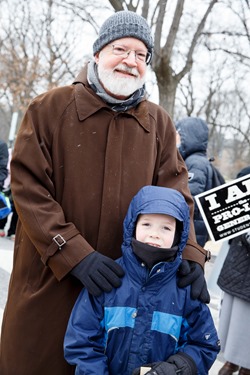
x=96 y=57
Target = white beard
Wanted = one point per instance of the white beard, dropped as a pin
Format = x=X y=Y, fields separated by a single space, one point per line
x=120 y=86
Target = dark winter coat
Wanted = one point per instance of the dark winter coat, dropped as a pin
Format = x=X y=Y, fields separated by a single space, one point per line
x=234 y=277
x=148 y=318
x=75 y=167
x=193 y=148
x=4 y=157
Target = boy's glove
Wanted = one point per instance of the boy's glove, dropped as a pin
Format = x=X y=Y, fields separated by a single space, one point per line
x=177 y=364
x=98 y=273
x=159 y=368
x=191 y=273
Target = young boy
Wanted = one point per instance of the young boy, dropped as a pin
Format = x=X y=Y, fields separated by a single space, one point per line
x=147 y=321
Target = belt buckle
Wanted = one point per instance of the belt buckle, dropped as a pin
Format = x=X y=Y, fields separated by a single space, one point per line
x=59 y=240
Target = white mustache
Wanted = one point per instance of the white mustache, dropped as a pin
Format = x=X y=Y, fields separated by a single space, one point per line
x=127 y=69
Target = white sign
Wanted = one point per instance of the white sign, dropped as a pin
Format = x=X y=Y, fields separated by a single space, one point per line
x=226 y=209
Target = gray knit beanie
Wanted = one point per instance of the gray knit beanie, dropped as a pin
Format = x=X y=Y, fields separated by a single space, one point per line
x=121 y=25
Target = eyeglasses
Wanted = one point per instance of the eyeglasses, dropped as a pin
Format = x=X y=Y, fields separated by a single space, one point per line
x=124 y=52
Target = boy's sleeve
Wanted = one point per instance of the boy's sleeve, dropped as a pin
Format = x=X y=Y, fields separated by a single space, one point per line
x=198 y=337
x=84 y=338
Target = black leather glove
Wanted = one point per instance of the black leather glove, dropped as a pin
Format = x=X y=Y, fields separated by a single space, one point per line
x=163 y=368
x=191 y=273
x=98 y=273
x=177 y=364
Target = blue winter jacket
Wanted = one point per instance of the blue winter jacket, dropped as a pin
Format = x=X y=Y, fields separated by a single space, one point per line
x=148 y=318
x=193 y=148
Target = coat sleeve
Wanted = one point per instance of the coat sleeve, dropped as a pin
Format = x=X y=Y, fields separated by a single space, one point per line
x=198 y=336
x=58 y=242
x=84 y=343
x=199 y=173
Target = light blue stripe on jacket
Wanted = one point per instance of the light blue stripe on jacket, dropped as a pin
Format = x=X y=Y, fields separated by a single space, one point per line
x=167 y=323
x=117 y=317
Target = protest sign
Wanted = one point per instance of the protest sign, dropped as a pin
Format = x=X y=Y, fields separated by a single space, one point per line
x=226 y=209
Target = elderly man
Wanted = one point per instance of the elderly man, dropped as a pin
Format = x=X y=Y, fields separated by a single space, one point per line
x=82 y=152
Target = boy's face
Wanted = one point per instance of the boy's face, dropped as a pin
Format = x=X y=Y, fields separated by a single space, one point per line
x=156 y=230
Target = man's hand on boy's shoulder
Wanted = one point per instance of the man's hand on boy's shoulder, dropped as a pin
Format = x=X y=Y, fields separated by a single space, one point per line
x=191 y=273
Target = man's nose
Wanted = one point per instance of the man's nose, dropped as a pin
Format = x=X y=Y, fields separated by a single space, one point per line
x=131 y=59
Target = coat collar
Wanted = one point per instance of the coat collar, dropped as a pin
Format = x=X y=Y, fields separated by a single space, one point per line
x=84 y=94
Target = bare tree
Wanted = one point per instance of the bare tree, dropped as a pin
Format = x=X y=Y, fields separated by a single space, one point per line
x=38 y=50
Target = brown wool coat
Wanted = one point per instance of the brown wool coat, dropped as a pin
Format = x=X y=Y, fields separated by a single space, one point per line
x=76 y=165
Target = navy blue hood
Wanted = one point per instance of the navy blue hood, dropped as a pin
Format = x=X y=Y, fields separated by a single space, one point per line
x=194 y=136
x=156 y=200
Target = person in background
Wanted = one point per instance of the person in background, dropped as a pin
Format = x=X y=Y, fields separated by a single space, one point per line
x=82 y=152
x=192 y=141
x=11 y=230
x=147 y=321
x=14 y=217
x=234 y=321
x=4 y=156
